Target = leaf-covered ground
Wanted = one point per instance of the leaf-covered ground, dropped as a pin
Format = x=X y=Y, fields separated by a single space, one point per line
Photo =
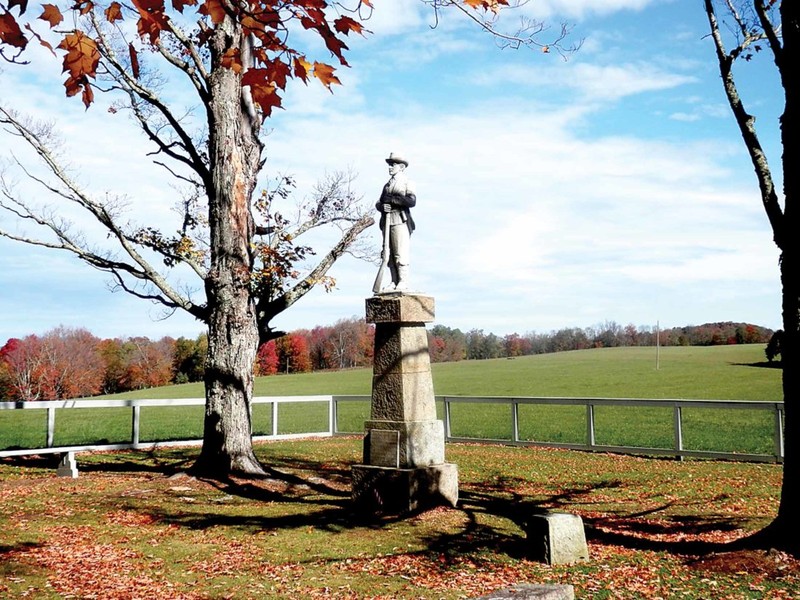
x=134 y=525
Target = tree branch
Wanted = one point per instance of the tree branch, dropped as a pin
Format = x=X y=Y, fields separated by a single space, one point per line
x=746 y=123
x=267 y=309
x=140 y=269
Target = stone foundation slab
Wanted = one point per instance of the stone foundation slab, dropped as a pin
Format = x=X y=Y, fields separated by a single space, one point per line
x=388 y=491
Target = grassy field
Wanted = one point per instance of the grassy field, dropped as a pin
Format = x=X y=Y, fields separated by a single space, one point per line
x=720 y=372
x=135 y=525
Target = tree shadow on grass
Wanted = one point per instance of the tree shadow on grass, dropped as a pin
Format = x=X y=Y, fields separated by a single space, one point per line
x=108 y=461
x=764 y=364
x=627 y=530
x=316 y=494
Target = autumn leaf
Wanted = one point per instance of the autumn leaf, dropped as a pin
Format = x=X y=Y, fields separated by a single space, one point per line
x=82 y=56
x=279 y=71
x=152 y=20
x=39 y=38
x=179 y=5
x=487 y=5
x=10 y=32
x=51 y=14
x=134 y=60
x=83 y=6
x=262 y=91
x=214 y=10
x=114 y=12
x=302 y=68
x=23 y=5
x=232 y=59
x=345 y=25
x=325 y=74
x=74 y=85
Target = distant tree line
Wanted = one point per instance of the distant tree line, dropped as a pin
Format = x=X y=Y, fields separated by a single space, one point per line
x=71 y=363
x=448 y=344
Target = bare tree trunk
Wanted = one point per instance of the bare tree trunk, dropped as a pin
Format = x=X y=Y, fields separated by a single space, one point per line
x=235 y=154
x=787 y=524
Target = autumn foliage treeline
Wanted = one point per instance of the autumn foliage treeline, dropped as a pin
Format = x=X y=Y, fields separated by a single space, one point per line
x=72 y=363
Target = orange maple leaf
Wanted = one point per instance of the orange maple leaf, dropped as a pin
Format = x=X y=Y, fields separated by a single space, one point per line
x=80 y=84
x=301 y=68
x=325 y=74
x=51 y=14
x=114 y=12
x=214 y=10
x=82 y=57
x=232 y=59
x=345 y=25
x=152 y=20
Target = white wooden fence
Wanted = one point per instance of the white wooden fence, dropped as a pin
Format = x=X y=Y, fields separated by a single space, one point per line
x=333 y=413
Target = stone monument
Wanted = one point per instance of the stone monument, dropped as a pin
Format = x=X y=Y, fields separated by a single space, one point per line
x=404 y=466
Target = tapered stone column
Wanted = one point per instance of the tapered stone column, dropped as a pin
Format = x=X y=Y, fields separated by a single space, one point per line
x=404 y=466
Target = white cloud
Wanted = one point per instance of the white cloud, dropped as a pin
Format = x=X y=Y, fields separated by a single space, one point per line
x=534 y=211
x=580 y=9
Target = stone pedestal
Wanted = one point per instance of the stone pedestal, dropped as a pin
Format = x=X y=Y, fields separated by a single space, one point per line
x=556 y=538
x=404 y=466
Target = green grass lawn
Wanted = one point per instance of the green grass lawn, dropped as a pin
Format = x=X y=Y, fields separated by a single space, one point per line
x=719 y=372
x=133 y=524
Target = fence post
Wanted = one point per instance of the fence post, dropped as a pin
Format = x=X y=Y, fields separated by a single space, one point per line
x=332 y=410
x=51 y=425
x=135 y=414
x=274 y=417
x=678 y=426
x=590 y=424
x=447 y=429
x=778 y=433
x=514 y=420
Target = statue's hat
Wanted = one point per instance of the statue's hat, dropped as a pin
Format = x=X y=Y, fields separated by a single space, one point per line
x=396 y=158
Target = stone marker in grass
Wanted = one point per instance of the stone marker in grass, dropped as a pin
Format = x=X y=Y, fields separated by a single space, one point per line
x=556 y=538
x=527 y=591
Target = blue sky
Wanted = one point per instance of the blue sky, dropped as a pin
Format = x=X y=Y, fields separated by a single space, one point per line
x=551 y=193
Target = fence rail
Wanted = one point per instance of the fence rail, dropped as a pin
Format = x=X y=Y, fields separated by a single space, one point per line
x=510 y=435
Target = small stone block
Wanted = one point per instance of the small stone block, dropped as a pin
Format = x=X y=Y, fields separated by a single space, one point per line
x=68 y=467
x=386 y=491
x=528 y=591
x=557 y=538
x=406 y=308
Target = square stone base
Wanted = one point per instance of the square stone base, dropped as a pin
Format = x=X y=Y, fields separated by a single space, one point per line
x=556 y=538
x=388 y=491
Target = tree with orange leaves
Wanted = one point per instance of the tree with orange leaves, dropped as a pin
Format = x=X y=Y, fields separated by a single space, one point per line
x=236 y=58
